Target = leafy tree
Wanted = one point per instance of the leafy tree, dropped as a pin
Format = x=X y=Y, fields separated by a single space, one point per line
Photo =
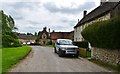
x=29 y=34
x=35 y=34
x=9 y=38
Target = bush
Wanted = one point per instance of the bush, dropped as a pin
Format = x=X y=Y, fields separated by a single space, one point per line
x=8 y=41
x=49 y=42
x=82 y=44
x=104 y=34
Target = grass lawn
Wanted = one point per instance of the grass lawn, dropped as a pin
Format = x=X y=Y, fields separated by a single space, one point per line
x=0 y=61
x=11 y=56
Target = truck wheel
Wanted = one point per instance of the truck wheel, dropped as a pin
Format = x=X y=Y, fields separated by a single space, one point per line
x=60 y=54
x=77 y=55
x=55 y=50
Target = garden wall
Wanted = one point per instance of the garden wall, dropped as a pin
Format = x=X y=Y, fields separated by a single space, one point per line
x=106 y=55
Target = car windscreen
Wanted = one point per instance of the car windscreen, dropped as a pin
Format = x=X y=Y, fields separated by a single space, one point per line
x=65 y=42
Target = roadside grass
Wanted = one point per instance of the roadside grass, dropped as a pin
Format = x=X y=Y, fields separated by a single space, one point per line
x=0 y=61
x=84 y=53
x=106 y=65
x=11 y=56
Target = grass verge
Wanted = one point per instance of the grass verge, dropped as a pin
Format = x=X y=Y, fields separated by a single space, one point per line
x=0 y=60
x=11 y=56
x=106 y=65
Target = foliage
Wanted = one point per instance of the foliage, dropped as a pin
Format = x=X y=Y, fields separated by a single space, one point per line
x=9 y=38
x=104 y=34
x=8 y=41
x=49 y=42
x=8 y=24
x=11 y=56
x=85 y=53
x=35 y=34
x=29 y=34
x=82 y=44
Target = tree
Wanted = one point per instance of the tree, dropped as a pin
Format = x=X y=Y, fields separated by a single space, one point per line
x=9 y=38
x=8 y=24
x=35 y=34
x=29 y=34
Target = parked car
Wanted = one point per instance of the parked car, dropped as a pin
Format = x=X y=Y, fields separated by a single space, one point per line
x=65 y=47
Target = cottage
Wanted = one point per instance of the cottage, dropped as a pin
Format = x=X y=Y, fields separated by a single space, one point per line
x=43 y=36
x=105 y=11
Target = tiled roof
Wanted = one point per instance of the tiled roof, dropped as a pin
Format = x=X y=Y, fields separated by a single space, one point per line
x=59 y=35
x=97 y=12
x=26 y=37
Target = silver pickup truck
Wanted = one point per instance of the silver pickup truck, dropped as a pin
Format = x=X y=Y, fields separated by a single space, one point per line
x=65 y=47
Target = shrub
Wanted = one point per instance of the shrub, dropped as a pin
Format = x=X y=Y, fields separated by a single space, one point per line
x=82 y=44
x=104 y=34
x=49 y=42
x=8 y=41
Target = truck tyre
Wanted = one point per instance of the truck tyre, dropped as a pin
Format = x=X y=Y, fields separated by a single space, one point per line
x=77 y=55
x=60 y=53
x=55 y=50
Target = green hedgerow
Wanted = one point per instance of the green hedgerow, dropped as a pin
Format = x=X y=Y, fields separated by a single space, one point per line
x=104 y=34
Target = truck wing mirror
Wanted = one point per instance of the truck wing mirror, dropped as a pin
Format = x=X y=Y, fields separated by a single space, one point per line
x=57 y=43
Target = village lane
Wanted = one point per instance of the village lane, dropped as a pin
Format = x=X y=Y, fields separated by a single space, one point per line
x=43 y=59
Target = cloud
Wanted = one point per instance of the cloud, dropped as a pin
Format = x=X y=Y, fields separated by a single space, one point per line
x=59 y=15
x=50 y=6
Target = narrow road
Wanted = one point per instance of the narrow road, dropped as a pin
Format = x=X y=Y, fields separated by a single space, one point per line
x=43 y=59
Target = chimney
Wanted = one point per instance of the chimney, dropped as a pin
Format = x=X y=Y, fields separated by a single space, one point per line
x=103 y=1
x=84 y=13
x=78 y=20
x=49 y=30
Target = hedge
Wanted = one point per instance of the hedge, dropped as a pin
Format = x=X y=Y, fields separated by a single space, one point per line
x=104 y=34
x=82 y=44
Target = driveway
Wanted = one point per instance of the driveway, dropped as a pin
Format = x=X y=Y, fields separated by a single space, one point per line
x=43 y=59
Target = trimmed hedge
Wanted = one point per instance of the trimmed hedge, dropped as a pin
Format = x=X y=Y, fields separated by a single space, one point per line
x=104 y=34
x=82 y=44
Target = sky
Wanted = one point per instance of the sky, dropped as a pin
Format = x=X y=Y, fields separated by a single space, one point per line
x=58 y=15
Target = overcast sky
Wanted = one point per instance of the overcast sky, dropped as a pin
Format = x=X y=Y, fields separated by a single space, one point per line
x=59 y=15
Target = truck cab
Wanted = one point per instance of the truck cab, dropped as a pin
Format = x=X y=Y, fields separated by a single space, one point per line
x=65 y=47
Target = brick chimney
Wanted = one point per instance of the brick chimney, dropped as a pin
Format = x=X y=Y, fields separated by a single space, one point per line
x=84 y=13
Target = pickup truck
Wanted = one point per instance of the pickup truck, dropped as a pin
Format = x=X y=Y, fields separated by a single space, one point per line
x=65 y=47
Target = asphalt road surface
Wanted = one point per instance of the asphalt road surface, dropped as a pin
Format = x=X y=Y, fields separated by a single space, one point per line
x=43 y=59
